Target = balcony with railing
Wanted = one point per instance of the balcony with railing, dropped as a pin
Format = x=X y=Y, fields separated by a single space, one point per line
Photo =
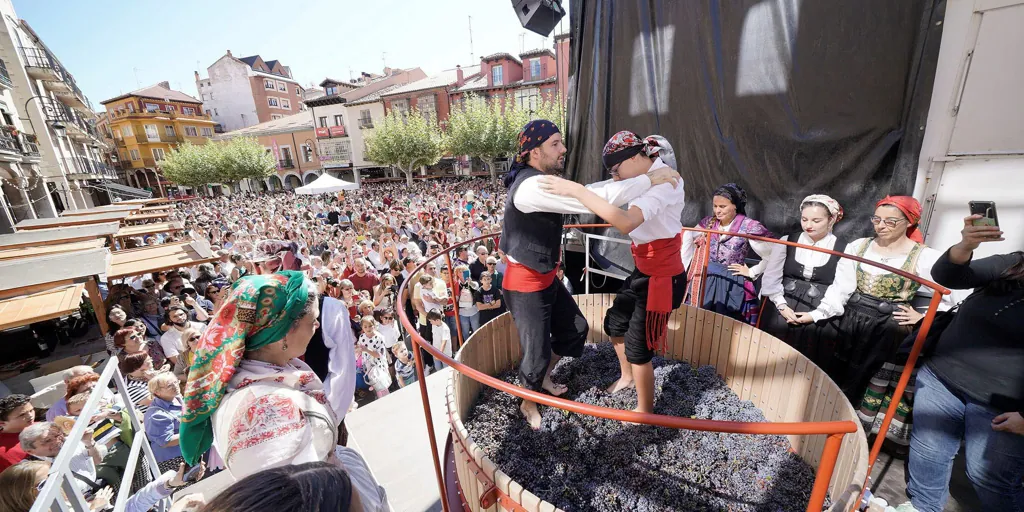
x=162 y=114
x=42 y=65
x=286 y=163
x=15 y=143
x=5 y=77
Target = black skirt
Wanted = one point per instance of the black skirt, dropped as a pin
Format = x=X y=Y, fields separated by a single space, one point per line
x=817 y=340
x=869 y=336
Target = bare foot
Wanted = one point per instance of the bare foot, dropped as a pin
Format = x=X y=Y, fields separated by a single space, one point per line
x=631 y=423
x=531 y=413
x=554 y=389
x=621 y=384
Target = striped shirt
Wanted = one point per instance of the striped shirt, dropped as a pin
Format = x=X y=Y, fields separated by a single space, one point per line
x=138 y=391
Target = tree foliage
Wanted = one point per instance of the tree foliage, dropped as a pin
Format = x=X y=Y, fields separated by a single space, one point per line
x=489 y=130
x=191 y=165
x=406 y=142
x=225 y=162
x=245 y=158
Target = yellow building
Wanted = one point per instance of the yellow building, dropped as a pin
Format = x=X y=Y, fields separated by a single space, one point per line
x=146 y=124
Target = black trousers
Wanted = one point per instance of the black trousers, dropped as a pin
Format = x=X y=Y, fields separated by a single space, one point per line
x=628 y=315
x=548 y=321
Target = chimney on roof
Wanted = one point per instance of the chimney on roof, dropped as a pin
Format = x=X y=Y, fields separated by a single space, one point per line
x=387 y=71
x=197 y=75
x=459 y=76
x=229 y=54
x=165 y=84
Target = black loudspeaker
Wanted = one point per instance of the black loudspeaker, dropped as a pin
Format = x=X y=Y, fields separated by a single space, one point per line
x=539 y=16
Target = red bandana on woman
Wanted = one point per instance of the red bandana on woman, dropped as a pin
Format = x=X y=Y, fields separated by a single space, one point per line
x=911 y=209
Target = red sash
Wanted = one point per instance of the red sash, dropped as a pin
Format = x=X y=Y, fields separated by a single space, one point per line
x=659 y=259
x=520 y=278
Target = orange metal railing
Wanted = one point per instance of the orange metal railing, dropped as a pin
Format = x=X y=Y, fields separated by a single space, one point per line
x=835 y=430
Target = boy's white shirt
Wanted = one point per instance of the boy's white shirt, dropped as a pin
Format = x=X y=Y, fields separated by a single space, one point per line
x=662 y=206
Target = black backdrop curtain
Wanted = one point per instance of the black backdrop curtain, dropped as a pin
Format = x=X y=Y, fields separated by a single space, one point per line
x=784 y=97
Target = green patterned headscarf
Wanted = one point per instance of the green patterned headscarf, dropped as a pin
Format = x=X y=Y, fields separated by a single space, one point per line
x=259 y=310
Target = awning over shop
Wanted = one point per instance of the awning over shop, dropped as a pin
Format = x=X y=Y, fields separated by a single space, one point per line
x=148 y=229
x=102 y=209
x=37 y=237
x=156 y=258
x=61 y=222
x=37 y=307
x=42 y=250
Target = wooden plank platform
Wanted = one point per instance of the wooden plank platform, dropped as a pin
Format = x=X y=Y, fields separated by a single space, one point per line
x=32 y=275
x=42 y=250
x=80 y=220
x=149 y=229
x=143 y=217
x=102 y=209
x=28 y=309
x=155 y=258
x=38 y=237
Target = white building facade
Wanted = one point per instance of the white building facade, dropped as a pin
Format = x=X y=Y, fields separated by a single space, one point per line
x=50 y=151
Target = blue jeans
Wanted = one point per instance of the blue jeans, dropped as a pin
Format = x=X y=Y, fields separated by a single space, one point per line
x=995 y=460
x=469 y=325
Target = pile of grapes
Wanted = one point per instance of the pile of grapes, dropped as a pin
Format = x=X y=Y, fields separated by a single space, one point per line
x=583 y=463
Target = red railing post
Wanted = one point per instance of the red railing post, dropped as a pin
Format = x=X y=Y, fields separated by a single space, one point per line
x=425 y=398
x=823 y=477
x=901 y=387
x=704 y=271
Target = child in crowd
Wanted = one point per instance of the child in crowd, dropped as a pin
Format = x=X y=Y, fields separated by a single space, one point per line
x=405 y=367
x=375 y=365
x=442 y=335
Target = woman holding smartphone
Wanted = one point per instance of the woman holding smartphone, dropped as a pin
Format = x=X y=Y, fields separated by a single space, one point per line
x=970 y=391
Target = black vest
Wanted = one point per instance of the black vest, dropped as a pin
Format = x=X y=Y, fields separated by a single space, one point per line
x=532 y=239
x=824 y=274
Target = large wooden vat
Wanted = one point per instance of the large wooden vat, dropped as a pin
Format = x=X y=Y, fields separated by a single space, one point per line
x=758 y=367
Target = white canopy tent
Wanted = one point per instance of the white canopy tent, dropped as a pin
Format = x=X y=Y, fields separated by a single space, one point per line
x=326 y=184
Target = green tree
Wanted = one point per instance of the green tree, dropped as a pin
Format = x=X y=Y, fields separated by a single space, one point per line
x=406 y=142
x=192 y=165
x=489 y=130
x=243 y=158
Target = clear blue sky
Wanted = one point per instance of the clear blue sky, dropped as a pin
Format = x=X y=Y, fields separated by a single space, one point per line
x=102 y=45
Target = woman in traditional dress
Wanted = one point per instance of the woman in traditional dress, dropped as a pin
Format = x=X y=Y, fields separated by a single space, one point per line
x=878 y=314
x=249 y=395
x=729 y=288
x=796 y=281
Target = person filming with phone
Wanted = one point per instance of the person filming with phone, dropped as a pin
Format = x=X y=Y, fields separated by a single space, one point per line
x=970 y=389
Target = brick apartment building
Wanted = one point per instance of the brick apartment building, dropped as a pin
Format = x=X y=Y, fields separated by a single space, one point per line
x=243 y=92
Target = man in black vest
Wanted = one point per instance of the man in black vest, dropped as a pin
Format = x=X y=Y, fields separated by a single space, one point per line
x=549 y=322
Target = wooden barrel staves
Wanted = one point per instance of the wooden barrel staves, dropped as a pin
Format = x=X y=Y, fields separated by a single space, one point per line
x=784 y=384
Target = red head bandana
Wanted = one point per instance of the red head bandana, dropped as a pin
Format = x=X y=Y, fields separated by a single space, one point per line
x=911 y=209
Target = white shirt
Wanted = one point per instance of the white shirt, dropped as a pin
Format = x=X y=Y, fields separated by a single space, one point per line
x=771 y=283
x=442 y=333
x=171 y=342
x=529 y=198
x=374 y=259
x=662 y=207
x=763 y=249
x=846 y=274
x=390 y=334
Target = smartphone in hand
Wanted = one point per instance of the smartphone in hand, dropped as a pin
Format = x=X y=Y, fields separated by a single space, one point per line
x=987 y=209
